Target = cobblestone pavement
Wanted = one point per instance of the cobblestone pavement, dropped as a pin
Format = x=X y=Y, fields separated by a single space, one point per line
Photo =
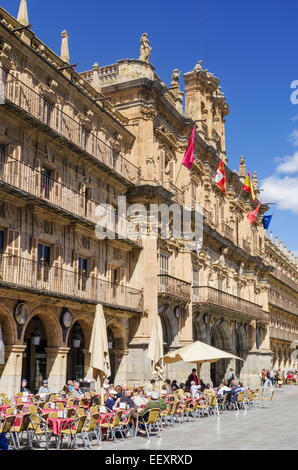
x=261 y=428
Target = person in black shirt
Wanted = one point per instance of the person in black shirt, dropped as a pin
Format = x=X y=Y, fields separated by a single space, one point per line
x=126 y=399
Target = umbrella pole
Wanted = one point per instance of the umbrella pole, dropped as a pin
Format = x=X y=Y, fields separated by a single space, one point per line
x=101 y=389
x=199 y=371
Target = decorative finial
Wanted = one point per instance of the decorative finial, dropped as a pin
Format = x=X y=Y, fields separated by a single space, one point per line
x=23 y=13
x=175 y=78
x=64 y=47
x=198 y=66
x=255 y=183
x=271 y=236
x=145 y=49
x=276 y=241
x=95 y=77
x=280 y=245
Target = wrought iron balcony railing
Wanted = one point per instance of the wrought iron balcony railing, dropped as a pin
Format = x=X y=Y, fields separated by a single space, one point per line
x=224 y=301
x=35 y=105
x=178 y=194
x=284 y=302
x=49 y=190
x=173 y=287
x=285 y=279
x=18 y=272
x=282 y=334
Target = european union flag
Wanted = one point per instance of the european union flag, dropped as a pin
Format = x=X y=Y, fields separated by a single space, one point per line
x=266 y=221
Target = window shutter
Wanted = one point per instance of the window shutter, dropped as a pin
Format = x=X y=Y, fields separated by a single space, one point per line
x=57 y=186
x=13 y=247
x=37 y=176
x=122 y=276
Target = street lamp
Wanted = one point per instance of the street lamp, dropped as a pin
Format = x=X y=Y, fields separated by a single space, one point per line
x=76 y=340
x=36 y=336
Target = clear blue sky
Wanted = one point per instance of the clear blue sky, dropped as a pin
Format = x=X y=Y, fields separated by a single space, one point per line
x=253 y=49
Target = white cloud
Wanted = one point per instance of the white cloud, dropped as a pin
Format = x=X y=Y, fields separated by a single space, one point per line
x=289 y=163
x=283 y=191
x=293 y=137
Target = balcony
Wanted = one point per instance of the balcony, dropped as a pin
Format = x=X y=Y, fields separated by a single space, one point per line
x=172 y=287
x=207 y=217
x=285 y=279
x=246 y=247
x=221 y=302
x=285 y=335
x=178 y=194
x=228 y=232
x=22 y=273
x=33 y=105
x=51 y=192
x=282 y=301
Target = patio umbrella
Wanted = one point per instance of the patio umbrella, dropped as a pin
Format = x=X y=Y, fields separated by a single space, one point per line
x=100 y=360
x=2 y=355
x=155 y=349
x=198 y=352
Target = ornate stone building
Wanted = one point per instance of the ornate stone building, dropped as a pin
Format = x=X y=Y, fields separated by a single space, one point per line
x=71 y=143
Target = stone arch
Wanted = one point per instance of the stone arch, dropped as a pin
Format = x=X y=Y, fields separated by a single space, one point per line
x=221 y=338
x=118 y=351
x=86 y=323
x=119 y=333
x=51 y=325
x=8 y=325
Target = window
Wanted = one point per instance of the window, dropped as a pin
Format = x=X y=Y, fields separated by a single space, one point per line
x=82 y=265
x=43 y=262
x=1 y=243
x=47 y=109
x=83 y=137
x=87 y=200
x=2 y=157
x=45 y=182
x=3 y=76
x=196 y=279
x=163 y=264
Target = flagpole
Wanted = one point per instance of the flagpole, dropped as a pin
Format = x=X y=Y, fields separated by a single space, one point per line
x=253 y=221
x=178 y=174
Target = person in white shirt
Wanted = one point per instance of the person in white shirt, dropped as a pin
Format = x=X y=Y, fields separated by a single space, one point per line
x=223 y=389
x=194 y=389
x=139 y=399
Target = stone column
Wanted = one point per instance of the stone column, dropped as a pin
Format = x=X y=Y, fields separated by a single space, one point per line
x=10 y=380
x=56 y=367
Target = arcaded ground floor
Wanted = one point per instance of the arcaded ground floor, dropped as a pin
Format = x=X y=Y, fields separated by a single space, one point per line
x=260 y=429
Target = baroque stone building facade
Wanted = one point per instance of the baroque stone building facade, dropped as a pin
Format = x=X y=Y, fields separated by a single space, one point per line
x=71 y=143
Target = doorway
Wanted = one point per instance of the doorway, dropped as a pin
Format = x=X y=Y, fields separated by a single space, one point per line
x=34 y=366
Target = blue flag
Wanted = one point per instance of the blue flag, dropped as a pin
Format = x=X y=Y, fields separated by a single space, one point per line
x=266 y=221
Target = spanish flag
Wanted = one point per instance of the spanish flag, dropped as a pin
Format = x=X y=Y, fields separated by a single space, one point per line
x=248 y=186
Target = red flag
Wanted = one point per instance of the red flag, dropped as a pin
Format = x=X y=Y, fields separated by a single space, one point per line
x=188 y=156
x=252 y=215
x=220 y=177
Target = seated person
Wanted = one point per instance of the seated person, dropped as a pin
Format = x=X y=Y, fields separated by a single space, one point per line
x=139 y=399
x=70 y=385
x=77 y=392
x=119 y=391
x=24 y=388
x=111 y=400
x=155 y=402
x=44 y=388
x=151 y=387
x=194 y=389
x=223 y=389
x=127 y=399
x=174 y=385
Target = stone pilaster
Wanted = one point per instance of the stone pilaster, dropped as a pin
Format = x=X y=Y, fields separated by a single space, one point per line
x=56 y=367
x=10 y=379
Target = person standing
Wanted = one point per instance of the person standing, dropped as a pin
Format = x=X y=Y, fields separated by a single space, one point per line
x=193 y=378
x=231 y=377
x=24 y=388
